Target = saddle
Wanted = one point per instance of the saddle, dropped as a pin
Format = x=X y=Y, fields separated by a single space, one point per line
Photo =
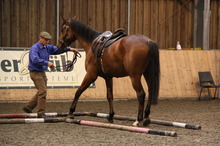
x=105 y=40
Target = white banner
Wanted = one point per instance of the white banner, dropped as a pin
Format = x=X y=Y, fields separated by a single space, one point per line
x=14 y=71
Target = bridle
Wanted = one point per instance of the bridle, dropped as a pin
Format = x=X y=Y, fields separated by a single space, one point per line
x=68 y=66
x=65 y=36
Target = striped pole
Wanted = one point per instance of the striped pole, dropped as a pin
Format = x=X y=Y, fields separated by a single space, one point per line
x=23 y=115
x=34 y=115
x=153 y=121
x=103 y=115
x=122 y=127
x=31 y=120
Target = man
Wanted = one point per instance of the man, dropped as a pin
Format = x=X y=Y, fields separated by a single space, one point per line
x=39 y=62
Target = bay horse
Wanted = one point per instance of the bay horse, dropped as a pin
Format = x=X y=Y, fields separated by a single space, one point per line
x=132 y=55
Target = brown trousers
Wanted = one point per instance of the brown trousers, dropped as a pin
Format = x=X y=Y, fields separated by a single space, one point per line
x=39 y=99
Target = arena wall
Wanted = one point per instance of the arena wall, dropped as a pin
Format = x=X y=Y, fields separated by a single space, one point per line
x=179 y=79
x=165 y=21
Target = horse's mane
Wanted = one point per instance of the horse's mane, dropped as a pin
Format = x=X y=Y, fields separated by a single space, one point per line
x=83 y=30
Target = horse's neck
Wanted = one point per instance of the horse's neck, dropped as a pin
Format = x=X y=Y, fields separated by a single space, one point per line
x=85 y=45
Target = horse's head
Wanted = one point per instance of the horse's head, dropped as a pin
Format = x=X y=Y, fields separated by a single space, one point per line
x=66 y=35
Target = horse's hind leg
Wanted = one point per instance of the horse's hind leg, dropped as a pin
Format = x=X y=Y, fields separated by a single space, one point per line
x=136 y=82
x=148 y=107
x=147 y=113
x=109 y=89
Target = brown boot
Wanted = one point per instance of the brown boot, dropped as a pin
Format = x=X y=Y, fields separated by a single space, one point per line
x=27 y=110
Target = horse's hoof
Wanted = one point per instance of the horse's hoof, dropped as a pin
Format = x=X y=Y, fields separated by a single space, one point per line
x=70 y=116
x=146 y=122
x=110 y=120
x=136 y=123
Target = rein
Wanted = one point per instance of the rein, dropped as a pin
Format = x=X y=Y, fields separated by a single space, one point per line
x=68 y=66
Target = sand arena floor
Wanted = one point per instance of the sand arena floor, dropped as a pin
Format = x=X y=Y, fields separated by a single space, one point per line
x=205 y=113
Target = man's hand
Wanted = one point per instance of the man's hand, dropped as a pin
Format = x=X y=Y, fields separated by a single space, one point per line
x=74 y=49
x=51 y=65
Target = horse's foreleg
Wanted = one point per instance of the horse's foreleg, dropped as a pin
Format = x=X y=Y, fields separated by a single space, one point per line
x=88 y=79
x=75 y=100
x=109 y=88
x=136 y=82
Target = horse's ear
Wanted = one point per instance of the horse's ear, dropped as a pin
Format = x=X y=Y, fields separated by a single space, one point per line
x=62 y=17
x=75 y=17
x=65 y=20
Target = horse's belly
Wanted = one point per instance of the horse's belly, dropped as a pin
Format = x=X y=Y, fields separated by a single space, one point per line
x=119 y=75
x=116 y=72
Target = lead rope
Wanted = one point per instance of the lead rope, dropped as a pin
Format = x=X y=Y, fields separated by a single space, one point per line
x=68 y=66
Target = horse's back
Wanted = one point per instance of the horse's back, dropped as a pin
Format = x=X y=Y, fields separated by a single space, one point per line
x=131 y=42
x=127 y=54
x=134 y=46
x=137 y=37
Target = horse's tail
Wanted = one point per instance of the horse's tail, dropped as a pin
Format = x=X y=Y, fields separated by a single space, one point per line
x=152 y=72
